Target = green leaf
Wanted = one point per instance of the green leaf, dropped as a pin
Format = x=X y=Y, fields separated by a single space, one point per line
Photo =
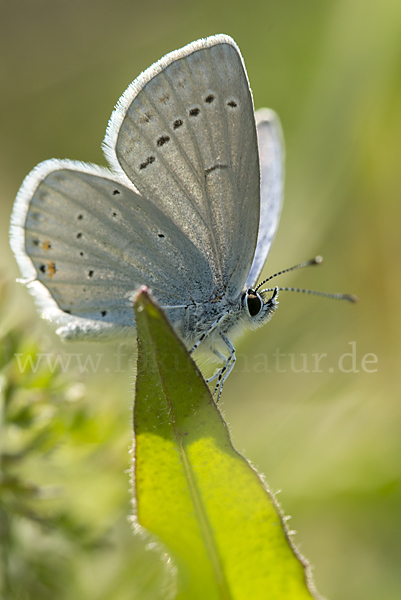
x=194 y=491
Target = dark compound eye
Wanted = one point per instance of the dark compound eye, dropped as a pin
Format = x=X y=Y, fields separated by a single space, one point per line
x=254 y=304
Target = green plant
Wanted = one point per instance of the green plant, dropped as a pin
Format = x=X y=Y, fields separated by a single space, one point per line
x=194 y=491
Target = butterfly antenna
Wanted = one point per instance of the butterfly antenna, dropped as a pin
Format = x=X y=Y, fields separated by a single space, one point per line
x=348 y=297
x=313 y=261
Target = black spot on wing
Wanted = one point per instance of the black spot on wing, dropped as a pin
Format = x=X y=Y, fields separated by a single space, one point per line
x=194 y=112
x=147 y=117
x=162 y=140
x=147 y=162
x=177 y=123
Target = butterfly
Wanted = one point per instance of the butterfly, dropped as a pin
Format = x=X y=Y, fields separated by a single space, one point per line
x=189 y=207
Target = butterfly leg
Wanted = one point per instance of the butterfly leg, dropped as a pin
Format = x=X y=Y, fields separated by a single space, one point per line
x=223 y=359
x=208 y=332
x=229 y=362
x=228 y=366
x=226 y=369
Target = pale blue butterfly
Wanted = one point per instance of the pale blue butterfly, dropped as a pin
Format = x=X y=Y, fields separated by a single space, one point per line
x=189 y=208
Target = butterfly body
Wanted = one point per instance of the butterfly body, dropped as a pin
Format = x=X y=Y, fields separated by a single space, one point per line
x=215 y=317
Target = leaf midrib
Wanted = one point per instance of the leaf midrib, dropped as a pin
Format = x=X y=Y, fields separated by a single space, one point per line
x=196 y=496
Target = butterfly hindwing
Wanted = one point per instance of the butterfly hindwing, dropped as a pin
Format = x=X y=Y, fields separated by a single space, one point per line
x=89 y=242
x=271 y=154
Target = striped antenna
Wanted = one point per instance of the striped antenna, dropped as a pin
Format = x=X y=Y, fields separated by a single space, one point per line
x=348 y=297
x=313 y=261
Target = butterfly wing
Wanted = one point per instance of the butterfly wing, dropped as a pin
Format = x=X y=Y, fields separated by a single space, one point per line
x=271 y=155
x=184 y=134
x=87 y=242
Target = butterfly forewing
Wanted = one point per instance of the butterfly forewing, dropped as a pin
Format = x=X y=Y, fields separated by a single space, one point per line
x=184 y=134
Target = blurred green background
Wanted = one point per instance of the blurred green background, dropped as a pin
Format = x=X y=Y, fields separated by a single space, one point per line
x=330 y=440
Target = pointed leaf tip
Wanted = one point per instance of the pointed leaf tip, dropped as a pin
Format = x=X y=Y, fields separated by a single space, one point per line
x=143 y=301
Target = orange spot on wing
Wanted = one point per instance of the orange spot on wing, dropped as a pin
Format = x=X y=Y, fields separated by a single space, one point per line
x=46 y=245
x=51 y=268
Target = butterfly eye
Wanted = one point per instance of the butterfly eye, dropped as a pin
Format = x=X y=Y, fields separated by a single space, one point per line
x=255 y=304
